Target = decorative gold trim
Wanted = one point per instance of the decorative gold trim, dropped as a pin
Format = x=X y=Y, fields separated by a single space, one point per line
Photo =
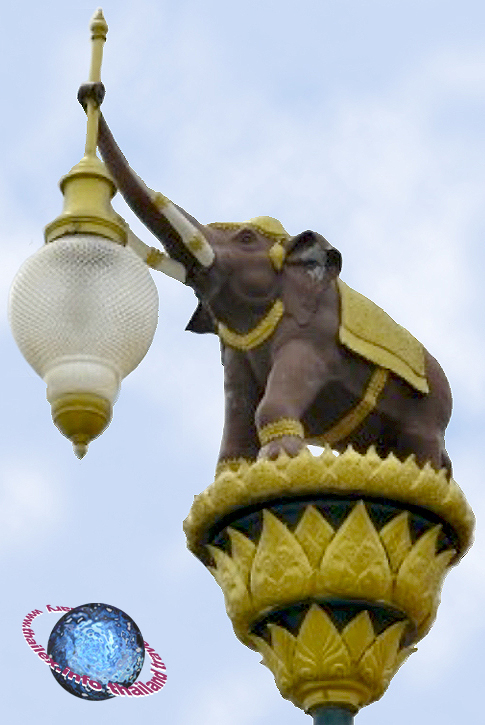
x=226 y=226
x=160 y=201
x=321 y=665
x=259 y=334
x=279 y=428
x=196 y=244
x=355 y=417
x=277 y=254
x=265 y=225
x=155 y=256
x=230 y=464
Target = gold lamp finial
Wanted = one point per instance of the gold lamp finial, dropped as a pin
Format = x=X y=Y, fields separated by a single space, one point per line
x=99 y=30
x=88 y=187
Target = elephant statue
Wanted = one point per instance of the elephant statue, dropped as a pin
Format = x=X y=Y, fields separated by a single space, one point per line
x=306 y=359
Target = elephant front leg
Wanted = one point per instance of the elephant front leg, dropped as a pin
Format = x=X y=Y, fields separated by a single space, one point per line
x=295 y=380
x=241 y=397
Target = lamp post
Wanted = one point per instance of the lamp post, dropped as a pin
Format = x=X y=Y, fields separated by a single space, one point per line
x=331 y=566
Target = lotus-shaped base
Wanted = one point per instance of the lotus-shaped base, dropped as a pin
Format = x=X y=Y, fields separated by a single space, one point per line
x=331 y=567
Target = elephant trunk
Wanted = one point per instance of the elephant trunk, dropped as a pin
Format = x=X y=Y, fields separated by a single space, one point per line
x=181 y=235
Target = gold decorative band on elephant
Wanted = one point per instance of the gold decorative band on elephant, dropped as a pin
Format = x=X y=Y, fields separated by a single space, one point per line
x=357 y=415
x=255 y=337
x=281 y=427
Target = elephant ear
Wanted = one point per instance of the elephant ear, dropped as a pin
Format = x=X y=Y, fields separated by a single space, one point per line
x=202 y=320
x=311 y=262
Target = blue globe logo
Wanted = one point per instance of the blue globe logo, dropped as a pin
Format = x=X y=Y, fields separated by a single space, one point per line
x=96 y=644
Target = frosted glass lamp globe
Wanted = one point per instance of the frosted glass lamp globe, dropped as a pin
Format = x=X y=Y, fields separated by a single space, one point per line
x=83 y=311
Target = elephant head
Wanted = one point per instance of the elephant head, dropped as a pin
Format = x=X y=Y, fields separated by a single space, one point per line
x=255 y=263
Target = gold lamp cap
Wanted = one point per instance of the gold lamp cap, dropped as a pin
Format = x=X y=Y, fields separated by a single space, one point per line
x=81 y=417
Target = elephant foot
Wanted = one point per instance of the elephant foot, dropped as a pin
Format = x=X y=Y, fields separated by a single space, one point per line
x=291 y=445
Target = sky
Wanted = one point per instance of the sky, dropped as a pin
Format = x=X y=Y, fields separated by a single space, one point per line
x=360 y=120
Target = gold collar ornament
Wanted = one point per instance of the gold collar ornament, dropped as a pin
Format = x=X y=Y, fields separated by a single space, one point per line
x=259 y=334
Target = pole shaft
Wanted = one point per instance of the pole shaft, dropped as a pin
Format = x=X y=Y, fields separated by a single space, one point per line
x=332 y=715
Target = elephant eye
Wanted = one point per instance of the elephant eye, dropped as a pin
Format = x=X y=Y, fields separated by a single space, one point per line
x=246 y=236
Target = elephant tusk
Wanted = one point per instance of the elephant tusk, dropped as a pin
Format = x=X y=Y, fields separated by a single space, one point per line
x=156 y=259
x=183 y=238
x=191 y=237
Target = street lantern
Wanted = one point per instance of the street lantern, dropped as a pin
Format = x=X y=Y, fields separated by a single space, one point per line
x=84 y=308
x=331 y=567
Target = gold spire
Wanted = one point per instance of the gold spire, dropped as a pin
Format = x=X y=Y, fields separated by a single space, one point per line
x=88 y=187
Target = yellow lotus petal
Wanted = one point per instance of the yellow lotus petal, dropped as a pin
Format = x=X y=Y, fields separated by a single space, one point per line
x=380 y=662
x=314 y=533
x=263 y=478
x=234 y=465
x=306 y=471
x=407 y=473
x=228 y=490
x=418 y=582
x=278 y=667
x=358 y=635
x=283 y=644
x=430 y=487
x=280 y=570
x=355 y=468
x=242 y=553
x=455 y=510
x=402 y=656
x=386 y=476
x=327 y=457
x=282 y=461
x=431 y=483
x=320 y=652
x=229 y=579
x=396 y=538
x=355 y=563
